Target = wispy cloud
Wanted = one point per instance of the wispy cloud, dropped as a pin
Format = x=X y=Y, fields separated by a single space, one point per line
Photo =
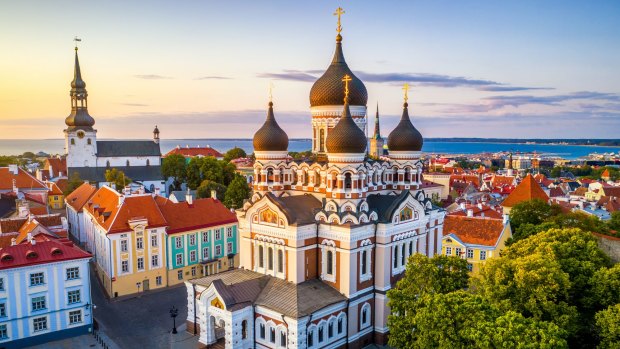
x=134 y=104
x=152 y=77
x=213 y=77
x=511 y=88
x=291 y=75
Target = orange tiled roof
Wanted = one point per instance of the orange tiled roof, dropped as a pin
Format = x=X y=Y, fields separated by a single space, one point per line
x=528 y=189
x=473 y=230
x=78 y=198
x=497 y=181
x=62 y=184
x=195 y=151
x=201 y=214
x=485 y=211
x=40 y=210
x=53 y=189
x=23 y=180
x=605 y=174
x=465 y=177
x=58 y=165
x=581 y=191
x=11 y=225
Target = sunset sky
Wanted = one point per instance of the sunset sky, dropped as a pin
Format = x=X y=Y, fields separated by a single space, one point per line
x=201 y=69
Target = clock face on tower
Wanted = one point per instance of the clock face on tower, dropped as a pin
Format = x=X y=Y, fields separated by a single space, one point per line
x=80 y=134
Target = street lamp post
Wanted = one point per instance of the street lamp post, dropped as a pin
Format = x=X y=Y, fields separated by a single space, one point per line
x=173 y=314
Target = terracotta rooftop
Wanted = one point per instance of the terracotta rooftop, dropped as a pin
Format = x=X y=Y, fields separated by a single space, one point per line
x=10 y=225
x=78 y=198
x=23 y=180
x=528 y=189
x=53 y=189
x=611 y=191
x=502 y=180
x=474 y=230
x=58 y=165
x=485 y=211
x=195 y=151
x=202 y=213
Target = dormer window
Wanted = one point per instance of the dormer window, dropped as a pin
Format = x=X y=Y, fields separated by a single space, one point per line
x=6 y=257
x=56 y=252
x=31 y=255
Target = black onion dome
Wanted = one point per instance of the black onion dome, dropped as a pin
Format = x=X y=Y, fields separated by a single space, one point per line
x=270 y=137
x=79 y=118
x=405 y=137
x=346 y=137
x=327 y=90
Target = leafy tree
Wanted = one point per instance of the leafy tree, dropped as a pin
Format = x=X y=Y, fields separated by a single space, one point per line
x=118 y=178
x=193 y=172
x=204 y=190
x=606 y=286
x=29 y=155
x=528 y=229
x=585 y=222
x=532 y=211
x=74 y=182
x=238 y=191
x=608 y=327
x=234 y=153
x=174 y=166
x=614 y=222
x=556 y=172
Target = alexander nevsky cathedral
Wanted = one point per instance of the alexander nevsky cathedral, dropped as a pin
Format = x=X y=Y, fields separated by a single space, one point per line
x=321 y=242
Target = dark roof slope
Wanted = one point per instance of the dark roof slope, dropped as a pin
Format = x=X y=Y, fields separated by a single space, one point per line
x=136 y=173
x=128 y=148
x=299 y=209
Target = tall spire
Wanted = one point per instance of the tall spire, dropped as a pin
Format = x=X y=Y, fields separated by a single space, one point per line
x=79 y=117
x=377 y=134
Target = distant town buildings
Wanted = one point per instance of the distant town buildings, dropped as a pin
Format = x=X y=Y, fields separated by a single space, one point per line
x=191 y=152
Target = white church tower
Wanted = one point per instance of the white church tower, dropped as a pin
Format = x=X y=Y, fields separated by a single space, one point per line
x=80 y=136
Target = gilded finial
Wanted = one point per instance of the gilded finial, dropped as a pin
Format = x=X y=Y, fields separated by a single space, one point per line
x=76 y=40
x=271 y=91
x=346 y=80
x=339 y=12
x=406 y=89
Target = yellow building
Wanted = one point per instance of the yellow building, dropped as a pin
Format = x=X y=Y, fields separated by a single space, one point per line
x=476 y=239
x=55 y=196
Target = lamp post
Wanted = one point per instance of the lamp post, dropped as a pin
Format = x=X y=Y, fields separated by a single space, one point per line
x=173 y=314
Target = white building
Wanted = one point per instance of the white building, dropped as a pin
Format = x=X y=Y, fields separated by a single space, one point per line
x=44 y=291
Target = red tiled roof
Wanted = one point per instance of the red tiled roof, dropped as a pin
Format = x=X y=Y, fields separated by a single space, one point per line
x=611 y=191
x=10 y=225
x=195 y=151
x=46 y=251
x=58 y=165
x=23 y=180
x=528 y=189
x=466 y=178
x=40 y=210
x=473 y=230
x=62 y=184
x=557 y=191
x=53 y=189
x=78 y=198
x=502 y=180
x=201 y=214
x=485 y=211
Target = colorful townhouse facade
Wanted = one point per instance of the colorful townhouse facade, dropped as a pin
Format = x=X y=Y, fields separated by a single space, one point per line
x=74 y=203
x=476 y=239
x=44 y=291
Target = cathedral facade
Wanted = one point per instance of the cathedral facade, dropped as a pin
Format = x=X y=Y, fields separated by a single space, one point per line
x=140 y=160
x=321 y=242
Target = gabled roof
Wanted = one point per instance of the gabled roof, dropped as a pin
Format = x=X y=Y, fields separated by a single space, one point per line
x=474 y=230
x=53 y=189
x=611 y=191
x=298 y=209
x=127 y=148
x=10 y=225
x=46 y=251
x=195 y=151
x=502 y=180
x=58 y=165
x=136 y=173
x=528 y=189
x=202 y=213
x=23 y=180
x=555 y=192
x=78 y=198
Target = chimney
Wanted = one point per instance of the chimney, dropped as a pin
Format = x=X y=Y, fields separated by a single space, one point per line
x=33 y=242
x=470 y=213
x=506 y=219
x=480 y=205
x=127 y=191
x=51 y=170
x=189 y=198
x=13 y=241
x=463 y=206
x=13 y=169
x=121 y=199
x=23 y=208
x=157 y=191
x=214 y=194
x=141 y=190
x=29 y=237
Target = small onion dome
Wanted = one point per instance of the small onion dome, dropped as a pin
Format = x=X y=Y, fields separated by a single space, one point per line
x=270 y=137
x=79 y=117
x=327 y=90
x=346 y=137
x=156 y=130
x=405 y=137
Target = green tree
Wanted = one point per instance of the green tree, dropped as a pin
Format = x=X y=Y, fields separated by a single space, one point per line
x=234 y=153
x=608 y=327
x=118 y=178
x=194 y=172
x=556 y=172
x=532 y=211
x=614 y=222
x=238 y=191
x=585 y=222
x=74 y=182
x=606 y=286
x=174 y=166
x=29 y=155
x=204 y=189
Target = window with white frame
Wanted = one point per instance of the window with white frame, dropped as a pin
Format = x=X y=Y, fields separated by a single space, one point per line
x=75 y=317
x=365 y=316
x=158 y=280
x=39 y=324
x=229 y=231
x=205 y=236
x=192 y=239
x=261 y=331
x=218 y=234
x=403 y=256
x=280 y=261
x=218 y=250
x=125 y=266
x=470 y=253
x=483 y=255
x=457 y=251
x=340 y=325
x=330 y=329
x=282 y=338
x=193 y=271
x=123 y=245
x=180 y=274
x=470 y=267
x=74 y=297
x=37 y=279
x=73 y=273
x=229 y=247
x=205 y=253
x=365 y=263
x=310 y=338
x=38 y=303
x=272 y=335
x=179 y=258
x=395 y=253
x=140 y=243
x=141 y=263
x=155 y=261
x=2 y=309
x=4 y=333
x=154 y=240
x=192 y=256
x=178 y=242
x=448 y=251
x=328 y=261
x=321 y=332
x=1 y=284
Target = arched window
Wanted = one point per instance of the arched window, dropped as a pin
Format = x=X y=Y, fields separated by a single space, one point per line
x=270 y=258
x=72 y=141
x=407 y=175
x=330 y=329
x=270 y=175
x=347 y=181
x=272 y=335
x=410 y=248
x=261 y=254
x=148 y=162
x=280 y=261
x=127 y=163
x=402 y=254
x=310 y=338
x=244 y=329
x=282 y=339
x=364 y=315
x=88 y=141
x=321 y=334
x=395 y=257
x=340 y=325
x=322 y=140
x=330 y=265
x=364 y=263
x=262 y=331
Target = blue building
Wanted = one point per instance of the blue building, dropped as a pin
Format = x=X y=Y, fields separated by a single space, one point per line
x=44 y=291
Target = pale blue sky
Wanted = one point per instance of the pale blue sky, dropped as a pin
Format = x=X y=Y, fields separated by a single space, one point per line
x=200 y=69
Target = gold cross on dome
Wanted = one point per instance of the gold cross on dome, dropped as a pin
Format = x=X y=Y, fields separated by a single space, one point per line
x=339 y=12
x=406 y=89
x=346 y=80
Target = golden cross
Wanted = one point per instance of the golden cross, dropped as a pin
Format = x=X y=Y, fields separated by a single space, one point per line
x=270 y=91
x=346 y=80
x=339 y=12
x=406 y=89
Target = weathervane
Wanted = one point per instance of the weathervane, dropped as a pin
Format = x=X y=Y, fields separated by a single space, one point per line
x=346 y=80
x=339 y=12
x=76 y=40
x=406 y=89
